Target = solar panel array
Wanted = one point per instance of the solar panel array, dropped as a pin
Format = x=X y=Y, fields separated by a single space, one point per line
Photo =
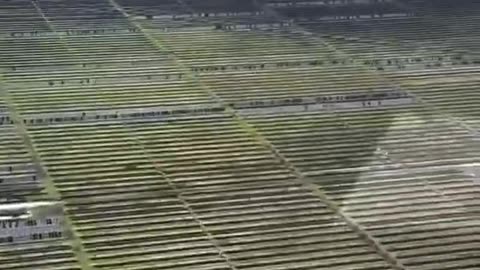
x=131 y=117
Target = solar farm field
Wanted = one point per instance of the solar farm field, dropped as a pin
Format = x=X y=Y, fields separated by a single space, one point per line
x=181 y=143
